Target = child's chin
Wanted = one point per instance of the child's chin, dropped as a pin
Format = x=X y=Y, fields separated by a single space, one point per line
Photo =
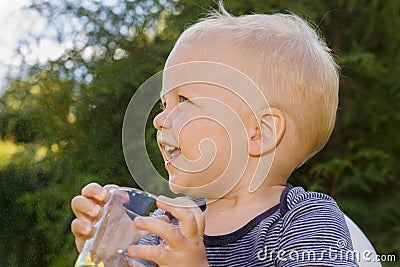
x=194 y=192
x=178 y=188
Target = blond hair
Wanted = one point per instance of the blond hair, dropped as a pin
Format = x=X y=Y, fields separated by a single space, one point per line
x=290 y=62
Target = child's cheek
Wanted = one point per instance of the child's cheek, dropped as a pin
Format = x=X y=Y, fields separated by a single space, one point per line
x=216 y=146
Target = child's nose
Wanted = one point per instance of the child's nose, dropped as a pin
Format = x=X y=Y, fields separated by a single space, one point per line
x=161 y=120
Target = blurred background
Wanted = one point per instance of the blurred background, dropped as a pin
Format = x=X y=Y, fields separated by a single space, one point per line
x=69 y=68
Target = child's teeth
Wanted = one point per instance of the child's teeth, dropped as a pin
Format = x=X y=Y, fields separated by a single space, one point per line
x=169 y=148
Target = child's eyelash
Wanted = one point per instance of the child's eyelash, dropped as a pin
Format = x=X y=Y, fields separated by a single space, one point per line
x=182 y=98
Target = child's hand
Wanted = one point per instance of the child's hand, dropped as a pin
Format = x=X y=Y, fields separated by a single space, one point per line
x=87 y=209
x=184 y=246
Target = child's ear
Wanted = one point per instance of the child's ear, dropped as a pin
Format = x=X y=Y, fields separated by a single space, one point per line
x=269 y=133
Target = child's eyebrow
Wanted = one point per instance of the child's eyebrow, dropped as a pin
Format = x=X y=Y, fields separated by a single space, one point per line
x=184 y=90
x=192 y=89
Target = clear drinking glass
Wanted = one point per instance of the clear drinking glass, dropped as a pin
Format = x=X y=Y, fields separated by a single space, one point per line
x=115 y=230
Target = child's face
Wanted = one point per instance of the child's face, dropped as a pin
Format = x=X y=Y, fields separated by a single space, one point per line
x=195 y=129
x=179 y=128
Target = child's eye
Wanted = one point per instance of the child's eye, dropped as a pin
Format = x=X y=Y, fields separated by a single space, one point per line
x=182 y=99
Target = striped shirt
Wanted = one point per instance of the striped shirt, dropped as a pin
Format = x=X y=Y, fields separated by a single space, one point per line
x=306 y=228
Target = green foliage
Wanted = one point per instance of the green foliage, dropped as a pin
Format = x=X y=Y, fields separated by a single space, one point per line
x=65 y=117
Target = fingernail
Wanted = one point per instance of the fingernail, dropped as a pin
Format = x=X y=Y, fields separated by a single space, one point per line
x=103 y=194
x=95 y=210
x=87 y=230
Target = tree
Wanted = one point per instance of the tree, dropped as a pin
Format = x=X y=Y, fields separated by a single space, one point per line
x=66 y=116
x=62 y=120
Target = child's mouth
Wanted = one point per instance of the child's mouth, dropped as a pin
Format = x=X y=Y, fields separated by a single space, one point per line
x=171 y=153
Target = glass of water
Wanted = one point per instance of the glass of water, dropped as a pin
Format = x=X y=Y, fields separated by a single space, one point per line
x=115 y=230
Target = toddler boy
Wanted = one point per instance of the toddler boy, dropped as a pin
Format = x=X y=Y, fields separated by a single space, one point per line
x=237 y=148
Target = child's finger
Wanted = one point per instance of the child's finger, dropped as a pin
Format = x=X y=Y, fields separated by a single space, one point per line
x=82 y=231
x=81 y=228
x=95 y=191
x=189 y=215
x=158 y=254
x=84 y=207
x=109 y=187
x=163 y=218
x=144 y=233
x=161 y=228
x=79 y=244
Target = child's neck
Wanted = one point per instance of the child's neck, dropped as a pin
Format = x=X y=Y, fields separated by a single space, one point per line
x=238 y=207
